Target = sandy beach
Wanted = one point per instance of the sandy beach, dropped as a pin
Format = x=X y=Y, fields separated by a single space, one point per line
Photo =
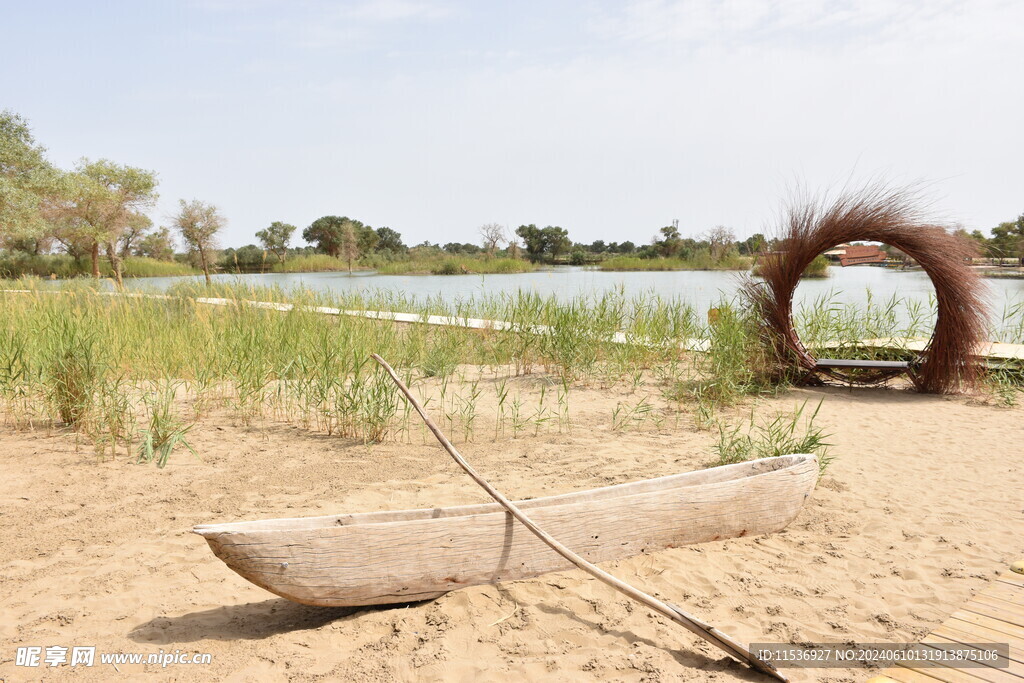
x=919 y=510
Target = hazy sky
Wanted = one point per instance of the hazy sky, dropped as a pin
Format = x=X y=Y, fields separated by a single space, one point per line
x=607 y=118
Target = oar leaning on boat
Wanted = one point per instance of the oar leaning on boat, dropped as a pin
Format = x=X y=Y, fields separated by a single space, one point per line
x=392 y=557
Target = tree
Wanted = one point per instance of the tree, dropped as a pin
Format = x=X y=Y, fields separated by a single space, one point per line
x=157 y=245
x=492 y=234
x=556 y=241
x=753 y=245
x=199 y=223
x=597 y=247
x=390 y=241
x=101 y=200
x=1008 y=239
x=540 y=241
x=461 y=248
x=328 y=233
x=325 y=233
x=366 y=237
x=721 y=241
x=276 y=237
x=249 y=258
x=533 y=241
x=671 y=242
x=134 y=231
x=349 y=247
x=513 y=249
x=28 y=183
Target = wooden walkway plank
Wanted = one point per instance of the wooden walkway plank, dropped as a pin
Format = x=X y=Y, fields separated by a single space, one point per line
x=1006 y=628
x=1016 y=668
x=947 y=672
x=898 y=674
x=1008 y=611
x=948 y=632
x=1011 y=578
x=995 y=615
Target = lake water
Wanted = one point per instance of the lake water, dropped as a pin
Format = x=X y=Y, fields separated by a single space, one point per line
x=703 y=289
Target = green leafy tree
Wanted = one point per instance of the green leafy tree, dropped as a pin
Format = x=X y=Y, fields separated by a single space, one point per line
x=753 y=244
x=275 y=238
x=552 y=241
x=460 y=248
x=366 y=237
x=1008 y=239
x=390 y=241
x=157 y=245
x=556 y=241
x=325 y=233
x=198 y=223
x=29 y=185
x=328 y=233
x=533 y=241
x=249 y=258
x=101 y=200
x=670 y=244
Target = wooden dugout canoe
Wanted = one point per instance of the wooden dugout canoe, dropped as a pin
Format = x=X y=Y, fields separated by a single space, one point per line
x=391 y=557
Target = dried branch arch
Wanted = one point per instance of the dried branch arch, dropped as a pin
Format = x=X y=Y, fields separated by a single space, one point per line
x=878 y=214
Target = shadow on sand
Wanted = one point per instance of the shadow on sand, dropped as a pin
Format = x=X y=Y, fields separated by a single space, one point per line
x=251 y=621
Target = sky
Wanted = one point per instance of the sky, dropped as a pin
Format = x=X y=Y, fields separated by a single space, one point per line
x=609 y=119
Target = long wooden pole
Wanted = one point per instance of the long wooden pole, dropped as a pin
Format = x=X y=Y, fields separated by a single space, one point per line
x=709 y=633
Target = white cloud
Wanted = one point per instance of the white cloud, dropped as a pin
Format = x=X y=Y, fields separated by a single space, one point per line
x=814 y=24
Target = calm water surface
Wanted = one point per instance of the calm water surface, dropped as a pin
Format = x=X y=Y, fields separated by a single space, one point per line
x=702 y=289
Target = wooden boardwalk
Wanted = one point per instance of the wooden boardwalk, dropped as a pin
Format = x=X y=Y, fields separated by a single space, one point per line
x=995 y=615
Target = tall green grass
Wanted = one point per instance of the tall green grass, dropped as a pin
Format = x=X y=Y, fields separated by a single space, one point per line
x=78 y=357
x=62 y=266
x=774 y=435
x=456 y=265
x=312 y=263
x=700 y=261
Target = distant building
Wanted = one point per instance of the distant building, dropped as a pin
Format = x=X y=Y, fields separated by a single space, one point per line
x=856 y=254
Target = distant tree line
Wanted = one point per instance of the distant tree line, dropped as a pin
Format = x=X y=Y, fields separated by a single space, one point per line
x=1006 y=240
x=98 y=210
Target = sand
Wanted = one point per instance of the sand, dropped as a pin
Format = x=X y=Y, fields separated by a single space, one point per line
x=921 y=507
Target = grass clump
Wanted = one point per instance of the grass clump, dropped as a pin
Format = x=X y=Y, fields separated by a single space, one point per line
x=73 y=369
x=165 y=431
x=735 y=364
x=780 y=434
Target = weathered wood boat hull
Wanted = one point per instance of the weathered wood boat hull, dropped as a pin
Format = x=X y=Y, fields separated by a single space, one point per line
x=392 y=557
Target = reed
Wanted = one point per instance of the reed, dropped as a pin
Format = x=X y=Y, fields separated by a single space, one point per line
x=74 y=356
x=62 y=266
x=456 y=265
x=779 y=434
x=311 y=263
x=702 y=260
x=165 y=431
